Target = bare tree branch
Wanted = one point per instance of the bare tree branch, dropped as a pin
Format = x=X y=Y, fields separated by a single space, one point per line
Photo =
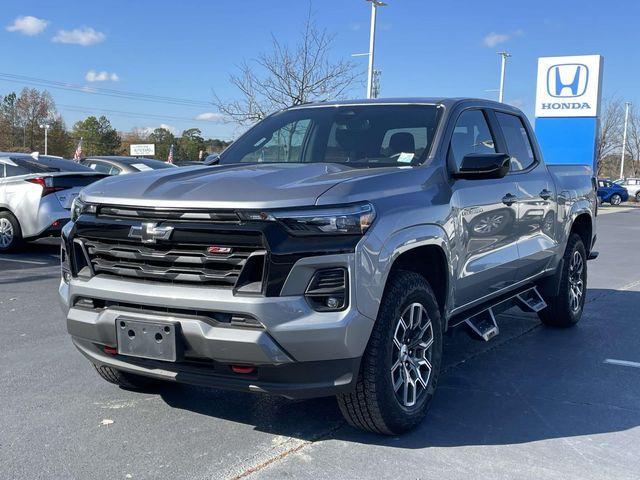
x=286 y=76
x=609 y=138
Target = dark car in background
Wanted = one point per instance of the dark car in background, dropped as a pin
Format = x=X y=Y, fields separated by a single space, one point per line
x=610 y=192
x=114 y=165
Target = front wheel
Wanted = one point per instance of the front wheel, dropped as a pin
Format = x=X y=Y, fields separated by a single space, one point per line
x=401 y=364
x=565 y=309
x=638 y=196
x=615 y=199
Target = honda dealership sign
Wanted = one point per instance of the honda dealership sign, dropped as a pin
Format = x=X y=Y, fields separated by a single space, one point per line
x=568 y=107
x=568 y=86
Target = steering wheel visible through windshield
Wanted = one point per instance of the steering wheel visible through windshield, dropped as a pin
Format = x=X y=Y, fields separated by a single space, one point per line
x=375 y=135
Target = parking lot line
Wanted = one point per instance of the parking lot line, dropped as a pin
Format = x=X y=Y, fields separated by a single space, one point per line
x=32 y=262
x=623 y=363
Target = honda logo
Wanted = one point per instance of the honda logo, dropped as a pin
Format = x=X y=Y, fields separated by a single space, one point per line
x=150 y=232
x=567 y=80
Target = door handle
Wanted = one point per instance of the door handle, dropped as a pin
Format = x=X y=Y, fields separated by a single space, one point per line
x=545 y=194
x=509 y=199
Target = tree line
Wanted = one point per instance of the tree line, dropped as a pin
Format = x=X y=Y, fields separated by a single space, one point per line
x=610 y=138
x=22 y=115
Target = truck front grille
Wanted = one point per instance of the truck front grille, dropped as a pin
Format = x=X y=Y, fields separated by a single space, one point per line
x=177 y=263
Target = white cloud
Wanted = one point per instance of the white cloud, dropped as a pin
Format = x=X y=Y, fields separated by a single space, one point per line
x=210 y=116
x=493 y=39
x=149 y=130
x=517 y=102
x=28 y=25
x=103 y=76
x=84 y=36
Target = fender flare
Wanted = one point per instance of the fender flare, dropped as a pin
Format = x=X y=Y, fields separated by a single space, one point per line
x=374 y=264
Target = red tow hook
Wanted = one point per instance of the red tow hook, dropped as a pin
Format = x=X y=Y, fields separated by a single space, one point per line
x=110 y=350
x=242 y=369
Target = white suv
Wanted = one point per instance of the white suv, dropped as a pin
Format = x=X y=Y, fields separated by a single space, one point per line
x=632 y=185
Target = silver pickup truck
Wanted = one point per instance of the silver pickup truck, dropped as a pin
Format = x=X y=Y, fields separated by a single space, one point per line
x=328 y=252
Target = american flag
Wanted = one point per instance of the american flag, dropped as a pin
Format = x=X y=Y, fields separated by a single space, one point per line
x=170 y=157
x=78 y=155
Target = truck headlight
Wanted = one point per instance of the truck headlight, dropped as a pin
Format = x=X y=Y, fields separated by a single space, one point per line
x=343 y=220
x=78 y=207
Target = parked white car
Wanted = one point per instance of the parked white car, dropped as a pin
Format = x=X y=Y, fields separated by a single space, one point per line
x=632 y=185
x=36 y=195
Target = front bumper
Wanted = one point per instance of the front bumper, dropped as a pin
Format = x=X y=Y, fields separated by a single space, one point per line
x=295 y=380
x=298 y=353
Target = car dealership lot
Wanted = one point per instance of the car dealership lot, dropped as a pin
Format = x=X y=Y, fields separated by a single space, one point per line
x=533 y=403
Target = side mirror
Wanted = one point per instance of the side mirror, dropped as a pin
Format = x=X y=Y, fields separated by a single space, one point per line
x=212 y=159
x=476 y=166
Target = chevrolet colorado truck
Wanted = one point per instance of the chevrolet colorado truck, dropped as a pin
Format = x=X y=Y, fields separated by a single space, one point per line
x=327 y=253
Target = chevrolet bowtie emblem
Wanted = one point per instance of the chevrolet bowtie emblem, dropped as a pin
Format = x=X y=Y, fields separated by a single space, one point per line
x=150 y=232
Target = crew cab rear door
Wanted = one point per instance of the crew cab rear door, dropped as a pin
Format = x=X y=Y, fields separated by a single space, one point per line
x=485 y=212
x=536 y=197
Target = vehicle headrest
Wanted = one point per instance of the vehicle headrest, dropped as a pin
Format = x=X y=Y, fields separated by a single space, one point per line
x=402 y=142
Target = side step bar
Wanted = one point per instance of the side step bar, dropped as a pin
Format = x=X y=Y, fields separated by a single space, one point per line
x=482 y=324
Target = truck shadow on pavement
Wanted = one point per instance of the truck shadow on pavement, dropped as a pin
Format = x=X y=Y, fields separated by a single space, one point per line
x=541 y=383
x=30 y=262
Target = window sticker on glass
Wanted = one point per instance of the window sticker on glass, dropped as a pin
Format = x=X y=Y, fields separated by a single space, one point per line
x=141 y=166
x=405 y=157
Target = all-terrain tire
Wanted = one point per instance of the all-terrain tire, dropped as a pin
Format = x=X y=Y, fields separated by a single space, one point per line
x=10 y=232
x=559 y=311
x=125 y=379
x=373 y=405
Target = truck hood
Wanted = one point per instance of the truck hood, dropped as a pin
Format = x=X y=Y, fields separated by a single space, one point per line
x=224 y=186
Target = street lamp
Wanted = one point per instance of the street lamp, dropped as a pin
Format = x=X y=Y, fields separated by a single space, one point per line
x=624 y=137
x=503 y=68
x=372 y=40
x=46 y=127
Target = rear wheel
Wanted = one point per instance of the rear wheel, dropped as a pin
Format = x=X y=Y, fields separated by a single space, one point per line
x=400 y=367
x=615 y=199
x=125 y=379
x=565 y=309
x=638 y=196
x=10 y=233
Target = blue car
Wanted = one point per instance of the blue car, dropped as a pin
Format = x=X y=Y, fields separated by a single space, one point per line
x=612 y=193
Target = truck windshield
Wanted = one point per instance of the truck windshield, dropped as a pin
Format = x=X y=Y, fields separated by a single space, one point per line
x=379 y=135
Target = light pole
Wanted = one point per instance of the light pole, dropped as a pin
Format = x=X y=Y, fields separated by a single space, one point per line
x=624 y=137
x=372 y=40
x=503 y=68
x=46 y=127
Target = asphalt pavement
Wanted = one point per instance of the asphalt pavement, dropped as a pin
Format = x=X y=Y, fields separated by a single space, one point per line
x=534 y=403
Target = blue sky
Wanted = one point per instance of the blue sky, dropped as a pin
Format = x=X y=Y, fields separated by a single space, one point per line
x=186 y=49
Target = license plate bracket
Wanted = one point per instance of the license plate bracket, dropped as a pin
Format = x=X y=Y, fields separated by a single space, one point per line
x=155 y=340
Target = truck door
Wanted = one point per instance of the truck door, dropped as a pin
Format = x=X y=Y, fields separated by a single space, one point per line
x=485 y=213
x=536 y=194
